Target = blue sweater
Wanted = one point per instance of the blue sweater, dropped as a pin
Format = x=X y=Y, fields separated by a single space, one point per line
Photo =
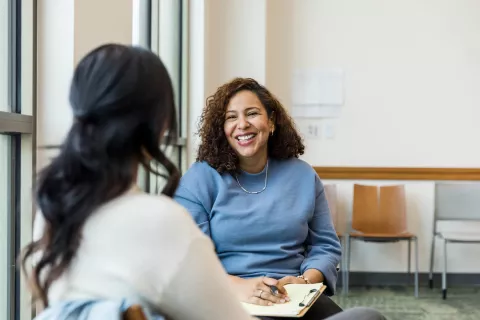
x=284 y=230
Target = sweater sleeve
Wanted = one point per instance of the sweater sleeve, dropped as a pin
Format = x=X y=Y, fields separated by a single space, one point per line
x=196 y=192
x=200 y=289
x=322 y=243
x=190 y=201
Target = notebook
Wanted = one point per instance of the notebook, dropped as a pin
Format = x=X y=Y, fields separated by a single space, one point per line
x=306 y=294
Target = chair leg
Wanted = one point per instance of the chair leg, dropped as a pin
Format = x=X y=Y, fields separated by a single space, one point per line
x=342 y=263
x=432 y=259
x=416 y=267
x=409 y=255
x=347 y=263
x=444 y=274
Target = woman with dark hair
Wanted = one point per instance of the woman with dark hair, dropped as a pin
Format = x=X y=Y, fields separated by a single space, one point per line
x=97 y=236
x=264 y=208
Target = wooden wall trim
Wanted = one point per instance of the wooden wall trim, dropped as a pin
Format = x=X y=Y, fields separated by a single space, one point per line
x=394 y=173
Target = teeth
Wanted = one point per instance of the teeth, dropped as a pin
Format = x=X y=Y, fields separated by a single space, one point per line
x=247 y=137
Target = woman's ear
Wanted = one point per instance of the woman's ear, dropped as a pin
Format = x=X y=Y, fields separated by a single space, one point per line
x=272 y=125
x=272 y=129
x=271 y=121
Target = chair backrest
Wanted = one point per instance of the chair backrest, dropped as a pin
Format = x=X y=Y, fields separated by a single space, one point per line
x=134 y=312
x=365 y=208
x=393 y=208
x=379 y=209
x=457 y=201
x=331 y=195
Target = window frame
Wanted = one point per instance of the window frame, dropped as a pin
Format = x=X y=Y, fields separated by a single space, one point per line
x=150 y=33
x=18 y=122
x=182 y=66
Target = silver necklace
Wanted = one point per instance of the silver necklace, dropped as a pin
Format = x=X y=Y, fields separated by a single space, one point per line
x=255 y=192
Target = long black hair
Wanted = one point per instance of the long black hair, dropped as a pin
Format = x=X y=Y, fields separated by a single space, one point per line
x=123 y=105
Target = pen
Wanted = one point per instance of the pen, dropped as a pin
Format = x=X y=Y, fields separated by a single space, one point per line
x=274 y=290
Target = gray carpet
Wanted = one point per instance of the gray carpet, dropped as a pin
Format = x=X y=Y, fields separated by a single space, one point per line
x=400 y=304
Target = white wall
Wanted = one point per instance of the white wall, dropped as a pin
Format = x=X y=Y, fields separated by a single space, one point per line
x=232 y=39
x=412 y=70
x=279 y=48
x=67 y=30
x=242 y=42
x=54 y=70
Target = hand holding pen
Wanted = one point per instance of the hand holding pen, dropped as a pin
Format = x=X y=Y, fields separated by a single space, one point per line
x=262 y=291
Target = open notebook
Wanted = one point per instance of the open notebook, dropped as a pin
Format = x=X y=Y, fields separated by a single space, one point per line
x=298 y=293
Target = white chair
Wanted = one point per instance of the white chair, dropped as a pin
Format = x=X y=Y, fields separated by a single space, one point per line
x=454 y=202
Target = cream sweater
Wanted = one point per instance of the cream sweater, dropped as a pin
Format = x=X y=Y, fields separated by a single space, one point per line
x=148 y=248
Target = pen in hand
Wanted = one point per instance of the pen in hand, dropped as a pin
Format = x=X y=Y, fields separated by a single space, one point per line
x=274 y=290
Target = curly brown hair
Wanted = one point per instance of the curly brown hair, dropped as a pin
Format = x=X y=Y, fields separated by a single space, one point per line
x=214 y=148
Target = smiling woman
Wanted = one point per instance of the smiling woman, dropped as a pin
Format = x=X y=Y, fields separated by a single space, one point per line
x=238 y=109
x=247 y=127
x=264 y=209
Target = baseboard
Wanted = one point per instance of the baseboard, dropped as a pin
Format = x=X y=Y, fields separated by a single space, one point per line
x=362 y=279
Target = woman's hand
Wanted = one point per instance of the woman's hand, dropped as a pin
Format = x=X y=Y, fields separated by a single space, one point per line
x=258 y=291
x=290 y=279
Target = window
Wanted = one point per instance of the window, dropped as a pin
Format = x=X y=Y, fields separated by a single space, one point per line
x=163 y=29
x=4 y=224
x=16 y=150
x=4 y=55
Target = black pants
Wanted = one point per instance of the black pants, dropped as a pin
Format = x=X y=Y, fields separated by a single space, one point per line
x=323 y=308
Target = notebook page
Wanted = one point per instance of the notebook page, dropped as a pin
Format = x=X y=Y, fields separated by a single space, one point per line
x=296 y=292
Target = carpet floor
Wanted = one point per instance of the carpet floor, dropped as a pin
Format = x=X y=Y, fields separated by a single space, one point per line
x=400 y=304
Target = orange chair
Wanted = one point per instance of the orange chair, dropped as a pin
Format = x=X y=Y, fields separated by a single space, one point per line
x=380 y=217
